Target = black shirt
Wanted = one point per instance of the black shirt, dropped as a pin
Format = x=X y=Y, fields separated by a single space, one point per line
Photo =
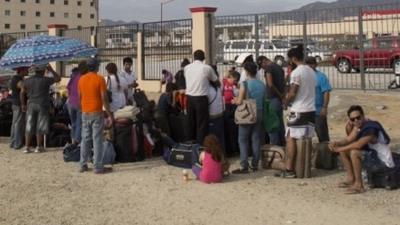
x=15 y=89
x=180 y=80
x=278 y=79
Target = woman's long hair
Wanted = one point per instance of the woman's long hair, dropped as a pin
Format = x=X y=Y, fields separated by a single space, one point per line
x=113 y=70
x=213 y=147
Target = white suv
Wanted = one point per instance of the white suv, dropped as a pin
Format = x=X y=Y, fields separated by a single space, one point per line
x=275 y=50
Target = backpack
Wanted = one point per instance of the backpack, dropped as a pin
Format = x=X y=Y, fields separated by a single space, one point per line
x=389 y=179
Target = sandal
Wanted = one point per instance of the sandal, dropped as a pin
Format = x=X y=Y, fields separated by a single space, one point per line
x=240 y=171
x=353 y=191
x=343 y=184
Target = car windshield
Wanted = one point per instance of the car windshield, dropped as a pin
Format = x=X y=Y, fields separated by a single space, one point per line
x=280 y=44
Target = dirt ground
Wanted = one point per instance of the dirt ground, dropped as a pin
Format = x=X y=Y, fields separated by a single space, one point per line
x=38 y=189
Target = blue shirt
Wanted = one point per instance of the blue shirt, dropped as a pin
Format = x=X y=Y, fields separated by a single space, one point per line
x=256 y=91
x=323 y=86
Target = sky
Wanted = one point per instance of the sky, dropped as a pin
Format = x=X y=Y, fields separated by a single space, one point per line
x=149 y=10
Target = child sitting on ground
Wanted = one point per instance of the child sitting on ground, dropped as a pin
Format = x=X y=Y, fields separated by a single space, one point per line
x=210 y=168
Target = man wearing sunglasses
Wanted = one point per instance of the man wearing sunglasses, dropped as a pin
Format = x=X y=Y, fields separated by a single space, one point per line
x=367 y=146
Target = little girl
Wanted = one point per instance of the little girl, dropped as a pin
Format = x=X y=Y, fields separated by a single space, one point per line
x=210 y=168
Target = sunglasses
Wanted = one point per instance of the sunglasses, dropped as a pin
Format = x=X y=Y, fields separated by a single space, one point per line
x=355 y=118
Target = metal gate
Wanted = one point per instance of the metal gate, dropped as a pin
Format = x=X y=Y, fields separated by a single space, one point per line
x=165 y=44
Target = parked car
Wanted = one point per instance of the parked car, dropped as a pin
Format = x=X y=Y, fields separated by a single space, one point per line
x=275 y=50
x=382 y=52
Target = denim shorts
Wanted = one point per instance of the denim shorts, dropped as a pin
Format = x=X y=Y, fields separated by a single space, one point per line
x=37 y=119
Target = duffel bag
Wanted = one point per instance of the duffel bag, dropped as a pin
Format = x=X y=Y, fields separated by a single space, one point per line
x=71 y=153
x=273 y=157
x=180 y=155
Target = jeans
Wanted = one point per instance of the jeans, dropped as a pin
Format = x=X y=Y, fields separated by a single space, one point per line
x=216 y=127
x=246 y=132
x=38 y=119
x=17 y=128
x=278 y=138
x=75 y=116
x=92 y=135
x=321 y=128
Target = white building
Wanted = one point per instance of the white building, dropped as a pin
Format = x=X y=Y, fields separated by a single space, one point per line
x=35 y=15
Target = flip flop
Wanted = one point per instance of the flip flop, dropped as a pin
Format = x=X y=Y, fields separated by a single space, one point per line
x=343 y=184
x=352 y=191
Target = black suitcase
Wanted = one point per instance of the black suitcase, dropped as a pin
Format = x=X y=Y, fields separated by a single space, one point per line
x=326 y=159
x=123 y=144
x=179 y=127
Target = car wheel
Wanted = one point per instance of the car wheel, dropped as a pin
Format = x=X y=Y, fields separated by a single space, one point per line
x=344 y=66
x=279 y=60
x=318 y=59
x=396 y=63
x=357 y=70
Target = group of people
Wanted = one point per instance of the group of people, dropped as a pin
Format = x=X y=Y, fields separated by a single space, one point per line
x=92 y=100
x=209 y=103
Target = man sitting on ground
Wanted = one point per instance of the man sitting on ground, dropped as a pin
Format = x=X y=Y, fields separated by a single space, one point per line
x=366 y=144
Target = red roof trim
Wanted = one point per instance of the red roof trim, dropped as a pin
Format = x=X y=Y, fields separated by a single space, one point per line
x=203 y=9
x=60 y=26
x=381 y=12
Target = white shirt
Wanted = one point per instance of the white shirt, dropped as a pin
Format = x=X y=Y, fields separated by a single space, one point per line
x=118 y=95
x=198 y=75
x=261 y=76
x=383 y=151
x=215 y=102
x=243 y=75
x=304 y=77
x=129 y=78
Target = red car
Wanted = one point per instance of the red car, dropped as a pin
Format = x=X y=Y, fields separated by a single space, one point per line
x=382 y=52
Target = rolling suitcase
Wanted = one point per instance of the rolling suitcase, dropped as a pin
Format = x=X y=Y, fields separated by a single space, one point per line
x=325 y=159
x=303 y=158
x=179 y=127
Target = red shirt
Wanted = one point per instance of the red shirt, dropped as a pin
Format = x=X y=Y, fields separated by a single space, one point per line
x=228 y=91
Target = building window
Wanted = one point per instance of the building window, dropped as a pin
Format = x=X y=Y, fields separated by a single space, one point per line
x=7 y=0
x=92 y=16
x=7 y=26
x=52 y=14
x=66 y=15
x=37 y=26
x=52 y=2
x=23 y=1
x=37 y=1
x=37 y=14
x=79 y=27
x=22 y=26
x=23 y=13
x=65 y=2
x=7 y=13
x=92 y=3
x=79 y=15
x=79 y=3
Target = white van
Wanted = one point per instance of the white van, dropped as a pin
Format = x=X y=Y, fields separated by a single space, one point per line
x=275 y=50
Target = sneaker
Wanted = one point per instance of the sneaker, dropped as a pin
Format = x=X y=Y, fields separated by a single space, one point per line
x=83 y=169
x=253 y=169
x=27 y=150
x=39 y=149
x=286 y=174
x=240 y=171
x=103 y=171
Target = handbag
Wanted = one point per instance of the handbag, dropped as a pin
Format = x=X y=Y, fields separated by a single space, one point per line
x=246 y=113
x=270 y=118
x=109 y=92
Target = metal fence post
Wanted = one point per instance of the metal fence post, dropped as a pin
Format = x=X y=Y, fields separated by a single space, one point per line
x=361 y=47
x=305 y=34
x=256 y=36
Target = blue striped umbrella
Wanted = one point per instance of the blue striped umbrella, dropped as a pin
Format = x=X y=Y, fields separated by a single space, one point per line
x=43 y=49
